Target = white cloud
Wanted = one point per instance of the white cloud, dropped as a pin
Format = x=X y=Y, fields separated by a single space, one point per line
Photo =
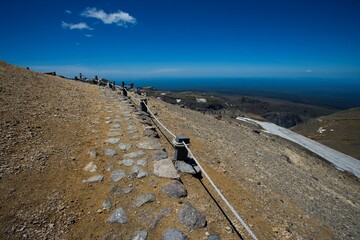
x=72 y=26
x=68 y=12
x=89 y=35
x=308 y=70
x=119 y=18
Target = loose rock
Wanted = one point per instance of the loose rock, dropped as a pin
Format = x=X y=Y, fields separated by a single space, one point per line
x=165 y=168
x=186 y=168
x=174 y=234
x=98 y=178
x=93 y=153
x=140 y=235
x=106 y=204
x=117 y=175
x=110 y=152
x=144 y=198
x=191 y=218
x=112 y=140
x=118 y=216
x=127 y=162
x=124 y=147
x=174 y=189
x=134 y=154
x=90 y=167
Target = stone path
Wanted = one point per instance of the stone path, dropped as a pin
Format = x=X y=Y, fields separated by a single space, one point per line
x=143 y=184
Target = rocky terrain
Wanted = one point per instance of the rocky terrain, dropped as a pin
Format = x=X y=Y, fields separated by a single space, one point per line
x=80 y=161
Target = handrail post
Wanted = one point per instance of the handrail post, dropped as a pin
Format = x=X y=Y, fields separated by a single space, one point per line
x=181 y=153
x=143 y=103
x=124 y=92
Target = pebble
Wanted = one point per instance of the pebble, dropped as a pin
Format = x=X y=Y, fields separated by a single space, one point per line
x=141 y=162
x=127 y=162
x=120 y=191
x=116 y=125
x=90 y=167
x=114 y=134
x=118 y=216
x=106 y=204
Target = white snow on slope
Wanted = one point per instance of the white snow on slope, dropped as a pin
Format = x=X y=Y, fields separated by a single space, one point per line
x=342 y=161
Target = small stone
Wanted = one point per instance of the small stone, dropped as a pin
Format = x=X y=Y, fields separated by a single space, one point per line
x=134 y=138
x=118 y=216
x=93 y=153
x=141 y=162
x=116 y=125
x=144 y=198
x=106 y=204
x=114 y=134
x=117 y=121
x=137 y=172
x=150 y=133
x=213 y=237
x=112 y=140
x=110 y=152
x=98 y=178
x=152 y=144
x=275 y=230
x=174 y=234
x=117 y=175
x=134 y=154
x=175 y=189
x=191 y=218
x=110 y=166
x=90 y=167
x=165 y=168
x=160 y=154
x=127 y=162
x=258 y=153
x=119 y=191
x=124 y=147
x=163 y=212
x=186 y=168
x=140 y=235
x=108 y=122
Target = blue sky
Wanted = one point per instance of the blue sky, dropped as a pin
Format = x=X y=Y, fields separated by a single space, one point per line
x=127 y=39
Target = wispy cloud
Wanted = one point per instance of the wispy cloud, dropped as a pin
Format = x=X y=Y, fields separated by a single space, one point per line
x=119 y=18
x=72 y=26
x=68 y=12
x=89 y=35
x=308 y=70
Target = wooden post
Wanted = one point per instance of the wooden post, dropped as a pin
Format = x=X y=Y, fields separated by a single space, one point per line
x=124 y=92
x=181 y=153
x=143 y=103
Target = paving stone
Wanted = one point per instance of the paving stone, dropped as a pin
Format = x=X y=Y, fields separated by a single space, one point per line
x=191 y=218
x=115 y=125
x=113 y=236
x=118 y=216
x=165 y=168
x=131 y=131
x=186 y=168
x=106 y=204
x=127 y=162
x=134 y=138
x=144 y=198
x=110 y=166
x=93 y=153
x=90 y=167
x=163 y=212
x=134 y=154
x=114 y=134
x=98 y=178
x=174 y=234
x=131 y=127
x=160 y=154
x=150 y=132
x=174 y=189
x=124 y=147
x=140 y=235
x=117 y=121
x=213 y=237
x=151 y=143
x=112 y=140
x=107 y=118
x=141 y=162
x=110 y=152
x=137 y=172
x=108 y=122
x=119 y=191
x=117 y=175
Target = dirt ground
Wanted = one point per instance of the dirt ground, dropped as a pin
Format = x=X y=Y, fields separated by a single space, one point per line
x=48 y=125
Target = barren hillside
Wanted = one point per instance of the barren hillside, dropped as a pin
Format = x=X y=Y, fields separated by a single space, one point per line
x=78 y=161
